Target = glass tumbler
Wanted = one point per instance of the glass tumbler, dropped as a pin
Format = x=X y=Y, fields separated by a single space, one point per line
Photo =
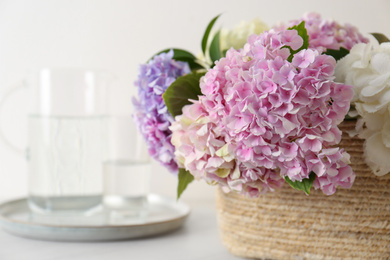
x=126 y=172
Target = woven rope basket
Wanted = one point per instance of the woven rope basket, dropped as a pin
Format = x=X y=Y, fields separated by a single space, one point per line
x=287 y=224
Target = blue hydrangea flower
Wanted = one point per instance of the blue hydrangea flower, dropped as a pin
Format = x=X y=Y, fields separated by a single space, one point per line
x=151 y=115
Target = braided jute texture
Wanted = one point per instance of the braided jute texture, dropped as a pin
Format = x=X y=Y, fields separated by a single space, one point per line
x=287 y=224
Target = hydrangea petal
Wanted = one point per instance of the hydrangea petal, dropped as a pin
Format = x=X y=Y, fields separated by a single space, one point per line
x=377 y=155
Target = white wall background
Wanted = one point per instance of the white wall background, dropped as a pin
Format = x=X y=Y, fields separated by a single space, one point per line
x=118 y=35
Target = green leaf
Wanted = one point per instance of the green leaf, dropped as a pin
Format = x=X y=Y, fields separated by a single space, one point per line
x=224 y=53
x=337 y=54
x=381 y=38
x=303 y=33
x=185 y=178
x=207 y=33
x=182 y=55
x=215 y=51
x=304 y=185
x=183 y=88
x=178 y=53
x=193 y=64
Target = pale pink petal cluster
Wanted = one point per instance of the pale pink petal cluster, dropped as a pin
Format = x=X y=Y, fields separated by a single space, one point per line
x=262 y=118
x=328 y=34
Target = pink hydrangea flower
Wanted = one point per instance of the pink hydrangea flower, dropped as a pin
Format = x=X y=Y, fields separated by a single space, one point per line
x=262 y=118
x=327 y=34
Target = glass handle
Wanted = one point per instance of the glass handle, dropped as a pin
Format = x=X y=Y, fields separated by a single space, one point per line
x=20 y=85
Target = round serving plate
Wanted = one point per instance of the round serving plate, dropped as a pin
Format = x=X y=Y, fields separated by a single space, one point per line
x=163 y=215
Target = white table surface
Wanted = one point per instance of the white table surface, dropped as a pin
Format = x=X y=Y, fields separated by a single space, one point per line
x=198 y=239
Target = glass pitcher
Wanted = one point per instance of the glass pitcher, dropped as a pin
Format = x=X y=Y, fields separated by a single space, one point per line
x=66 y=139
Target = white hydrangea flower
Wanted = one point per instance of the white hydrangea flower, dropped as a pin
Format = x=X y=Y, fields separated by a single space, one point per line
x=237 y=37
x=367 y=69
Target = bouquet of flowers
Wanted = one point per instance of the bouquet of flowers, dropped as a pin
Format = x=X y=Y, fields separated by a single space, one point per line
x=152 y=115
x=268 y=109
x=260 y=107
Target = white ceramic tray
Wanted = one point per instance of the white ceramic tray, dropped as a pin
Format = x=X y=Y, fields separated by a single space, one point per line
x=163 y=215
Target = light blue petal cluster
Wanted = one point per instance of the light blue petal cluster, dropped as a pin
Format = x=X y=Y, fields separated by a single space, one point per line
x=151 y=115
